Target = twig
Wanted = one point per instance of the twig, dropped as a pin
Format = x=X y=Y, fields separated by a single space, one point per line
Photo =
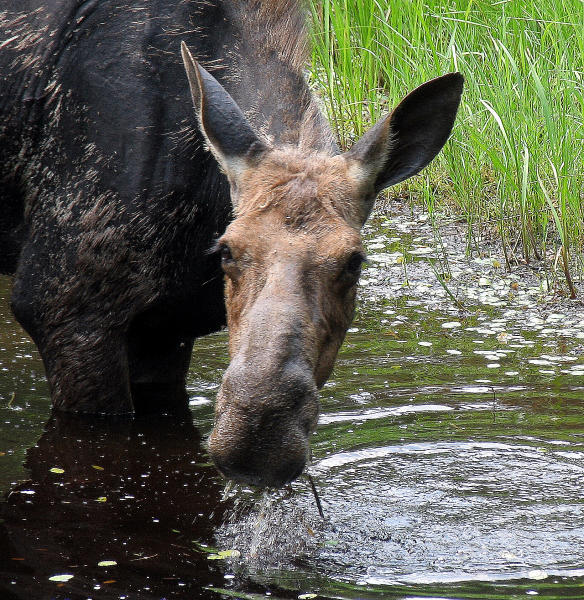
x=318 y=504
x=566 y=266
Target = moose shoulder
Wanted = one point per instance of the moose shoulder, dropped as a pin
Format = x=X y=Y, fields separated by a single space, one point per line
x=115 y=191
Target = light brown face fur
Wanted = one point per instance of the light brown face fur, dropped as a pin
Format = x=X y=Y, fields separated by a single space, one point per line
x=292 y=258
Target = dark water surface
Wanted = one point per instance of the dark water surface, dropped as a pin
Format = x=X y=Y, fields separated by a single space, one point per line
x=449 y=460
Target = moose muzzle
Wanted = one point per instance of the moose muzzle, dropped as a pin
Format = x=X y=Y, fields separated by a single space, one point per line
x=263 y=419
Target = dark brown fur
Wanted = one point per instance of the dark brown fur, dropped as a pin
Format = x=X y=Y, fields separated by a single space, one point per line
x=108 y=200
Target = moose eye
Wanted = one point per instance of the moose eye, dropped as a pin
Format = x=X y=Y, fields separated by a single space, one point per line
x=228 y=263
x=225 y=254
x=353 y=266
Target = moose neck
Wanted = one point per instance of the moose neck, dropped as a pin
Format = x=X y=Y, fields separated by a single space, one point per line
x=261 y=66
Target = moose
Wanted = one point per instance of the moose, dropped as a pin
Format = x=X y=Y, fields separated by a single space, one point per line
x=133 y=224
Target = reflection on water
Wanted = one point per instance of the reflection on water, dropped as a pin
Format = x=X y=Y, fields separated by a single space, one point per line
x=439 y=475
x=452 y=511
x=136 y=494
x=449 y=460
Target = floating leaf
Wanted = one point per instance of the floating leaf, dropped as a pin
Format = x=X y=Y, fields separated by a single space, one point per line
x=97 y=467
x=224 y=554
x=57 y=470
x=107 y=563
x=101 y=499
x=61 y=578
x=422 y=251
x=229 y=553
x=538 y=361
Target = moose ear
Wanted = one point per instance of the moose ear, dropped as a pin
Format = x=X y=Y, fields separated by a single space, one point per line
x=403 y=143
x=229 y=135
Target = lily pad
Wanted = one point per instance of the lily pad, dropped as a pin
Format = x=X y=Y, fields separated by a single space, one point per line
x=451 y=325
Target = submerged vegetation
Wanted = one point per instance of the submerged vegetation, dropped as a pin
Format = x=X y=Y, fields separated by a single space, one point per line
x=514 y=167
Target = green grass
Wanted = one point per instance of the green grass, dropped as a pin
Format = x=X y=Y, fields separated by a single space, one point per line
x=515 y=162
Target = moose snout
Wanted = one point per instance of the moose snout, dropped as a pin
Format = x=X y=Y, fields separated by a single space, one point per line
x=261 y=432
x=247 y=458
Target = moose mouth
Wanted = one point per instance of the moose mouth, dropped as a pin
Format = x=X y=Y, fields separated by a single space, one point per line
x=269 y=459
x=246 y=474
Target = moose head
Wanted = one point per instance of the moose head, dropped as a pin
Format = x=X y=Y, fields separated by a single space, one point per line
x=292 y=257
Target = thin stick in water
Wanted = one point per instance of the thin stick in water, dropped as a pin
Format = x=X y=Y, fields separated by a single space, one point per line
x=318 y=504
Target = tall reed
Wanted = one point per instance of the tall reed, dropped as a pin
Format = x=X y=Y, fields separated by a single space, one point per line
x=515 y=163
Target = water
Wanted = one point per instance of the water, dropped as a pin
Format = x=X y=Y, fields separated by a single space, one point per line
x=449 y=460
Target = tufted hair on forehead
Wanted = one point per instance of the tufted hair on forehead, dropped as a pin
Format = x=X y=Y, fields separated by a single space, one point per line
x=306 y=188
